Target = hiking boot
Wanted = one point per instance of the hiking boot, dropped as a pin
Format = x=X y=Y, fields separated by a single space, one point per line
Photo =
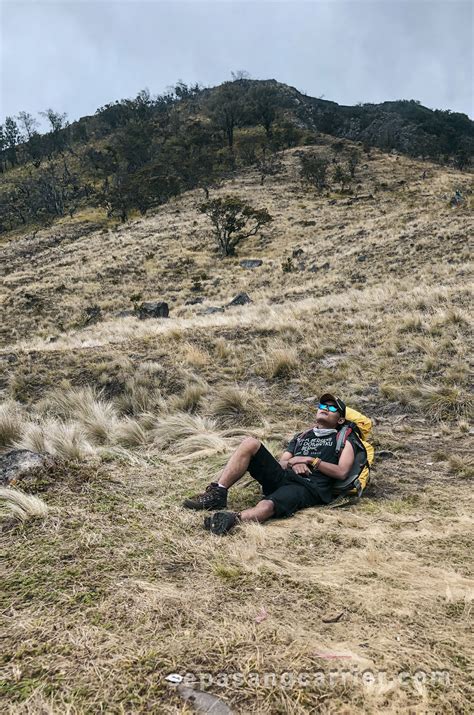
x=214 y=497
x=221 y=522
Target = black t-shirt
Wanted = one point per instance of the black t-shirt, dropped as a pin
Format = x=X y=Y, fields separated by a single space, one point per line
x=308 y=444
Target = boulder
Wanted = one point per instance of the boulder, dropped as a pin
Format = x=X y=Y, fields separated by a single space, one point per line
x=92 y=314
x=251 y=263
x=153 y=309
x=16 y=464
x=240 y=299
x=212 y=309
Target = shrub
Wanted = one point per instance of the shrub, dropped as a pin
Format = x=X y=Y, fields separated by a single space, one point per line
x=233 y=220
x=314 y=170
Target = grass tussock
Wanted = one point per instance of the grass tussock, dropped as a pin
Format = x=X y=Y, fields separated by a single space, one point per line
x=68 y=440
x=173 y=429
x=190 y=436
x=462 y=466
x=280 y=362
x=191 y=398
x=97 y=416
x=142 y=391
x=195 y=356
x=33 y=437
x=133 y=433
x=11 y=424
x=20 y=506
x=447 y=403
x=235 y=406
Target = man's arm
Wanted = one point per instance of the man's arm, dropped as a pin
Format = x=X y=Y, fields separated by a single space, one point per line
x=341 y=470
x=285 y=458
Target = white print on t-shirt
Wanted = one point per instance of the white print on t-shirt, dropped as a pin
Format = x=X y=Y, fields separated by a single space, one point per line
x=314 y=445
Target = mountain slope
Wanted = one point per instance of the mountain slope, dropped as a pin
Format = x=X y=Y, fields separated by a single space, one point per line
x=119 y=586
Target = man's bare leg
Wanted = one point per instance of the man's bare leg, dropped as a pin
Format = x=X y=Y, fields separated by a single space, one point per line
x=261 y=512
x=239 y=462
x=215 y=496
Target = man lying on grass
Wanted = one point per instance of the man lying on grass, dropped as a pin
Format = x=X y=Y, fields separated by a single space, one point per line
x=306 y=474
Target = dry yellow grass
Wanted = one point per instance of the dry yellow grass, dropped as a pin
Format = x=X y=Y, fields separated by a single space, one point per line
x=20 y=506
x=121 y=586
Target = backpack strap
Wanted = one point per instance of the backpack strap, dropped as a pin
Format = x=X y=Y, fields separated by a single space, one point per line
x=352 y=481
x=342 y=436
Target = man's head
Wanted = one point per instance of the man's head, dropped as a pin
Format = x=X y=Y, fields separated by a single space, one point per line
x=331 y=411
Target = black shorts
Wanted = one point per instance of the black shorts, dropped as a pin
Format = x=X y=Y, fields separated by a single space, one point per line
x=283 y=487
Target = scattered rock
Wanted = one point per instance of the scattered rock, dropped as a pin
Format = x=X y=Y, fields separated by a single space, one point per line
x=240 y=299
x=204 y=702
x=153 y=309
x=16 y=464
x=193 y=301
x=386 y=454
x=333 y=619
x=9 y=357
x=297 y=252
x=251 y=263
x=362 y=257
x=212 y=309
x=92 y=314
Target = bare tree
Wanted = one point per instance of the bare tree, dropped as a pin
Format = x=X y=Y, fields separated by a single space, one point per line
x=28 y=123
x=57 y=120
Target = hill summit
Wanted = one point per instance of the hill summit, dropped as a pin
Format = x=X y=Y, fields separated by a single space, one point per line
x=135 y=154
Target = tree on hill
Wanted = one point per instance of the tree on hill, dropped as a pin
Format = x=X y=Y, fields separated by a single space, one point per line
x=264 y=101
x=314 y=170
x=233 y=220
x=58 y=138
x=341 y=176
x=353 y=162
x=227 y=108
x=11 y=137
x=28 y=123
x=56 y=120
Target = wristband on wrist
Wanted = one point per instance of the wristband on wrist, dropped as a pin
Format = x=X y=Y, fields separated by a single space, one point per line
x=316 y=462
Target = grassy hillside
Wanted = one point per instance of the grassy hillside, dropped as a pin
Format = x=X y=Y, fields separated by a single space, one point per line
x=117 y=586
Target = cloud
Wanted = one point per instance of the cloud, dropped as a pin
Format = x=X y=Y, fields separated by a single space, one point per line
x=77 y=55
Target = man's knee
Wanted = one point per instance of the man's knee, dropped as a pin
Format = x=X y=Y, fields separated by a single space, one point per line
x=267 y=507
x=251 y=445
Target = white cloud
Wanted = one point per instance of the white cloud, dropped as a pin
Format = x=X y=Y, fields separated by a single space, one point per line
x=76 y=56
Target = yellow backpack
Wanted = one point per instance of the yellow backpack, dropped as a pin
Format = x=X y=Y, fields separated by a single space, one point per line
x=359 y=426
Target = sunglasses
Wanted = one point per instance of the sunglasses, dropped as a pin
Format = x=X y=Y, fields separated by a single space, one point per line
x=330 y=408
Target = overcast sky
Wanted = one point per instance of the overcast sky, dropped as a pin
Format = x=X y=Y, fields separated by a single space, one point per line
x=77 y=55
